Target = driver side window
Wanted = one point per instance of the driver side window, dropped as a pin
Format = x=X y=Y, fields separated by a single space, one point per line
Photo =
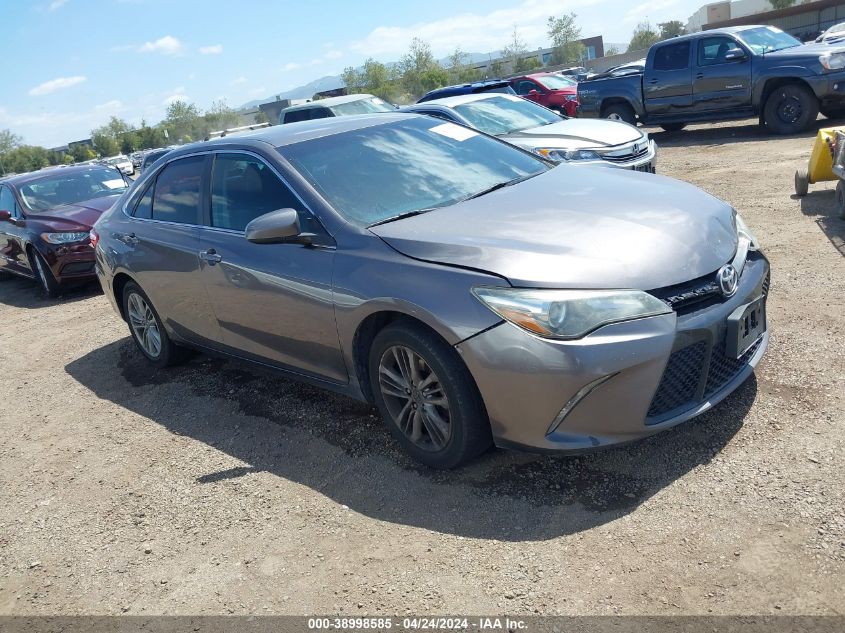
x=524 y=87
x=712 y=50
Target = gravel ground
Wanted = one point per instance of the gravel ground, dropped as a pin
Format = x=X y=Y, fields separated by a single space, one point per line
x=218 y=488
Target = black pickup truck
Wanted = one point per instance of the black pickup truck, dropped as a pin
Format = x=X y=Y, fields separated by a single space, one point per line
x=723 y=74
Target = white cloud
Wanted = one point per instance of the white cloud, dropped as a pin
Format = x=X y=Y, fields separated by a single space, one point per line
x=290 y=66
x=239 y=80
x=258 y=91
x=333 y=55
x=56 y=4
x=176 y=97
x=56 y=84
x=216 y=49
x=112 y=106
x=167 y=45
x=467 y=31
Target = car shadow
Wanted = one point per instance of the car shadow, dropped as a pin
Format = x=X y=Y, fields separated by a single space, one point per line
x=339 y=447
x=821 y=206
x=744 y=131
x=20 y=292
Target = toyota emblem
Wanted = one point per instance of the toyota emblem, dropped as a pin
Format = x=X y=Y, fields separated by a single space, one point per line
x=728 y=280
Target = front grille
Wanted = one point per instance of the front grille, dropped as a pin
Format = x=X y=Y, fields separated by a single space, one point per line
x=723 y=368
x=624 y=158
x=680 y=384
x=697 y=293
x=680 y=379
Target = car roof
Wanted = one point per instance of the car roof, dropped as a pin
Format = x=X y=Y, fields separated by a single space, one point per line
x=451 y=102
x=725 y=30
x=19 y=179
x=291 y=133
x=328 y=103
x=466 y=88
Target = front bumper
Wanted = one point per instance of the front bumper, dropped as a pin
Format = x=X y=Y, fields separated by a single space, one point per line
x=527 y=382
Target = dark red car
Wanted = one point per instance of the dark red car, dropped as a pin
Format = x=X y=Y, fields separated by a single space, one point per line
x=45 y=219
x=548 y=89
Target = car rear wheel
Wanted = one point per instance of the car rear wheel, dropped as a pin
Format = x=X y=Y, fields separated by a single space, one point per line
x=621 y=112
x=46 y=281
x=427 y=397
x=147 y=330
x=790 y=109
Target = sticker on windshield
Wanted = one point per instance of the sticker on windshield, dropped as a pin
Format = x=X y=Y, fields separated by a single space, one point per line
x=457 y=132
x=117 y=183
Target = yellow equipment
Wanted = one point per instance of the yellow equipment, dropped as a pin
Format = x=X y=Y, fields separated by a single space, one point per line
x=820 y=167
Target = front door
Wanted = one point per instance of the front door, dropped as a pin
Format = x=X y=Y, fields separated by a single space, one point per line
x=720 y=84
x=273 y=301
x=667 y=81
x=12 y=249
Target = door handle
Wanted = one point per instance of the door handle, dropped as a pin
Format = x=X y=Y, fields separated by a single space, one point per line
x=653 y=81
x=211 y=256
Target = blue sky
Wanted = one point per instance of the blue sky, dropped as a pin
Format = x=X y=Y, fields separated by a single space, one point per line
x=70 y=64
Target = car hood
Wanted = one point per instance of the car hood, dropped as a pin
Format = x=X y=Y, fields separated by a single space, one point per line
x=576 y=134
x=80 y=216
x=577 y=228
x=810 y=50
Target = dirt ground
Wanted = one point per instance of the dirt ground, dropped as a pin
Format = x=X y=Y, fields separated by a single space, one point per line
x=219 y=488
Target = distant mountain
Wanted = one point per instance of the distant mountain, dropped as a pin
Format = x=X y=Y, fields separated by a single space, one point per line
x=331 y=82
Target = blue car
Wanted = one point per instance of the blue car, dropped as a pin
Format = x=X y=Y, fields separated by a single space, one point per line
x=488 y=85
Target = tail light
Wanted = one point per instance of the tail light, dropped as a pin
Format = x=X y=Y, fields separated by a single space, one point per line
x=95 y=238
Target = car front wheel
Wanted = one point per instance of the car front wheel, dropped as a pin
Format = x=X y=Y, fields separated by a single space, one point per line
x=790 y=109
x=147 y=330
x=46 y=281
x=427 y=397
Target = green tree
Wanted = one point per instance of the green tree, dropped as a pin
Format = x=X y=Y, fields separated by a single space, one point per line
x=8 y=141
x=565 y=36
x=496 y=69
x=612 y=50
x=459 y=70
x=514 y=50
x=261 y=117
x=420 y=72
x=643 y=37
x=104 y=144
x=672 y=28
x=80 y=152
x=182 y=121
x=781 y=4
x=24 y=158
x=352 y=79
x=150 y=137
x=219 y=117
x=527 y=64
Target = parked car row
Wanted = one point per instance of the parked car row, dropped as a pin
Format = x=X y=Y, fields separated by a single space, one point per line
x=463 y=265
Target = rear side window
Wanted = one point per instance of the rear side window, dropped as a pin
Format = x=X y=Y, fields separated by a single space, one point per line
x=307 y=114
x=672 y=57
x=176 y=197
x=144 y=207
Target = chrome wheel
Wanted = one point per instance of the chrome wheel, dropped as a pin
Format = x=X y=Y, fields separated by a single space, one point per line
x=415 y=398
x=613 y=116
x=144 y=325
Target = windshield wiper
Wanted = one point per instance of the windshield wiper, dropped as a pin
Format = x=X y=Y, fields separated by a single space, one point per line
x=498 y=185
x=401 y=216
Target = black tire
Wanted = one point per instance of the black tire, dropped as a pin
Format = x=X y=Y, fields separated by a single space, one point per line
x=802 y=182
x=169 y=352
x=790 y=109
x=43 y=275
x=833 y=112
x=620 y=112
x=673 y=127
x=469 y=428
x=840 y=200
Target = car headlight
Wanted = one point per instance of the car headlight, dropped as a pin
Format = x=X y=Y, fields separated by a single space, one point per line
x=568 y=314
x=567 y=154
x=742 y=230
x=64 y=238
x=832 y=61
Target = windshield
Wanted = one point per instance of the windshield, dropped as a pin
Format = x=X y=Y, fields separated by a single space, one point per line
x=505 y=115
x=836 y=28
x=69 y=188
x=376 y=173
x=766 y=39
x=363 y=106
x=556 y=82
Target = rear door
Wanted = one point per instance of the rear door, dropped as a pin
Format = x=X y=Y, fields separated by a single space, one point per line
x=12 y=243
x=667 y=81
x=273 y=301
x=720 y=84
x=161 y=247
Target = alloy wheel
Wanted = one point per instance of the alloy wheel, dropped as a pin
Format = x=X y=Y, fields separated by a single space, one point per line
x=144 y=325
x=789 y=110
x=415 y=398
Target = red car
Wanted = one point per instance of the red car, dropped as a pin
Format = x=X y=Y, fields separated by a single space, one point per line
x=45 y=219
x=548 y=89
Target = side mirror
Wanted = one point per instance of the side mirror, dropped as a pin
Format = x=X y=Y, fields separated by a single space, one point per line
x=533 y=93
x=5 y=216
x=735 y=55
x=277 y=227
